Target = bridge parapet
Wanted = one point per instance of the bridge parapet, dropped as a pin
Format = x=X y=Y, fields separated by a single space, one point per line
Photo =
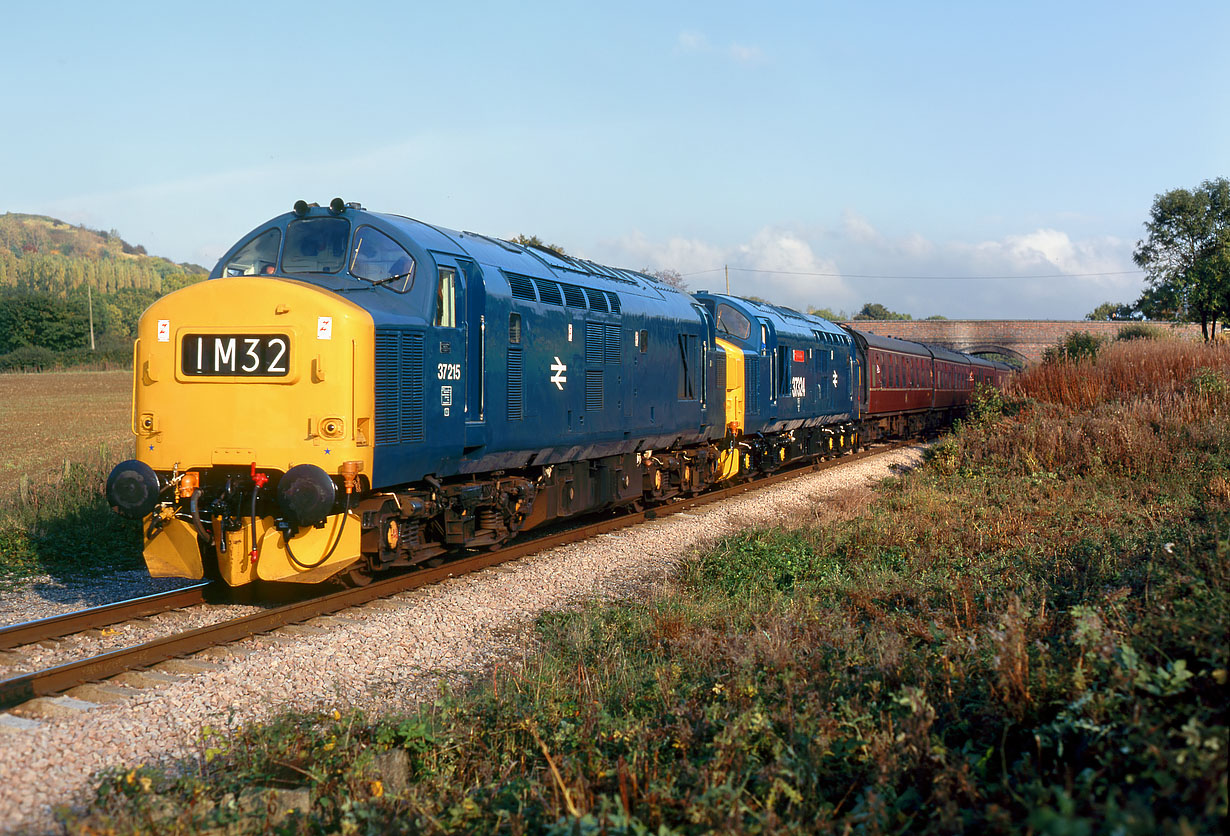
x=1024 y=338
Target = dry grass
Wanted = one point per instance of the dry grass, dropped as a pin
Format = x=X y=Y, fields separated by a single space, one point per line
x=46 y=419
x=1124 y=371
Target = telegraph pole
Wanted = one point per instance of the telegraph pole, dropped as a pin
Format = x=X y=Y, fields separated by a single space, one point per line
x=727 y=279
x=89 y=294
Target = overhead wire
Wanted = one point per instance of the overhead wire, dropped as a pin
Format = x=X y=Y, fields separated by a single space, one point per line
x=912 y=278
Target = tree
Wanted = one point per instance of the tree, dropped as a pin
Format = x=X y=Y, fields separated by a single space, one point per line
x=1109 y=311
x=874 y=310
x=829 y=314
x=535 y=241
x=668 y=277
x=1186 y=253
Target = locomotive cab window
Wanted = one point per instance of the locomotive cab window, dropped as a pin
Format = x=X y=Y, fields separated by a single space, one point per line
x=730 y=321
x=446 y=298
x=316 y=245
x=377 y=258
x=259 y=257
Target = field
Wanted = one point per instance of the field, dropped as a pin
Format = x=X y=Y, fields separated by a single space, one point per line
x=46 y=419
x=1027 y=635
x=63 y=433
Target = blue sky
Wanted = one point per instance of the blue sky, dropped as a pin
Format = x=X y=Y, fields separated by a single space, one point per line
x=812 y=147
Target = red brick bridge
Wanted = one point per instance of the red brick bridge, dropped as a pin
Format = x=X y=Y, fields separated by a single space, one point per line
x=1024 y=340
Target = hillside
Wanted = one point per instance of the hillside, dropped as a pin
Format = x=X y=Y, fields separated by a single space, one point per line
x=56 y=279
x=41 y=253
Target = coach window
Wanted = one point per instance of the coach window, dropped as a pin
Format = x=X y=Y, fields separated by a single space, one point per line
x=446 y=298
x=258 y=257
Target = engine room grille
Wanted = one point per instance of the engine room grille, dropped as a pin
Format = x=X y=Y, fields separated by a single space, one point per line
x=593 y=390
x=515 y=392
x=522 y=286
x=399 y=387
x=752 y=399
x=593 y=343
x=597 y=300
x=548 y=292
x=611 y=348
x=573 y=297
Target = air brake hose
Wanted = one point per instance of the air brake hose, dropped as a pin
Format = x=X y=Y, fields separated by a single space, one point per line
x=329 y=554
x=253 y=553
x=258 y=481
x=194 y=505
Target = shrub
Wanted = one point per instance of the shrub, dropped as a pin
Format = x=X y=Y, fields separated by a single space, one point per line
x=1140 y=331
x=28 y=358
x=1075 y=347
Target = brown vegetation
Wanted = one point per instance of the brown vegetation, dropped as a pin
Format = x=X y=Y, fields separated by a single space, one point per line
x=47 y=419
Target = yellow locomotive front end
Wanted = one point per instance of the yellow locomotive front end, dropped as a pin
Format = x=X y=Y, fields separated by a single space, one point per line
x=252 y=410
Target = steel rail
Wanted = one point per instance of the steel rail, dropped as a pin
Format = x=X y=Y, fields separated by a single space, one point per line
x=58 y=626
x=56 y=680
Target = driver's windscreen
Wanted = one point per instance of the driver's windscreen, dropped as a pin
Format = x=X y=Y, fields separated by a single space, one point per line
x=378 y=258
x=316 y=245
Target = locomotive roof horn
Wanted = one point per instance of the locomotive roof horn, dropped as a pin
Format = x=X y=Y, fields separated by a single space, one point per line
x=302 y=206
x=337 y=206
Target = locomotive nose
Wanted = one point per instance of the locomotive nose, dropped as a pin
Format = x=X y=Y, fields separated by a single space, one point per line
x=133 y=488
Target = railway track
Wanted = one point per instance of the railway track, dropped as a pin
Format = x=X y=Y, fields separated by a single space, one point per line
x=60 y=678
x=96 y=618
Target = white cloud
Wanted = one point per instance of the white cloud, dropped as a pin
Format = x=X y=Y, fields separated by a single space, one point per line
x=745 y=54
x=691 y=42
x=845 y=266
x=775 y=264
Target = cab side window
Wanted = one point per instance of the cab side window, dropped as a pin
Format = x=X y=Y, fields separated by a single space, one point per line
x=259 y=257
x=446 y=298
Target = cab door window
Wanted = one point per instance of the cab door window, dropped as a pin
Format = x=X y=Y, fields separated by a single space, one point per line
x=446 y=298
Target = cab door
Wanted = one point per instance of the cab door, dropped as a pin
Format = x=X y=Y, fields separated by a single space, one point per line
x=446 y=362
x=474 y=318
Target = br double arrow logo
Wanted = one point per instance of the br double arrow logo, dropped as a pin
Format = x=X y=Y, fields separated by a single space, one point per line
x=559 y=378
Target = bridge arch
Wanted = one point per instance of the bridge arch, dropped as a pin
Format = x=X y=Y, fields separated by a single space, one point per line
x=1014 y=356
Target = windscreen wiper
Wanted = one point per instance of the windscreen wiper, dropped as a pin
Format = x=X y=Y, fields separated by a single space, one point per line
x=379 y=282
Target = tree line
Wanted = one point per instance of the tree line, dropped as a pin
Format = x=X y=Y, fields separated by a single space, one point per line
x=56 y=279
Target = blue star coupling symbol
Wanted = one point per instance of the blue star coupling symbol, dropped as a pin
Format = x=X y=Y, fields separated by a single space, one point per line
x=326 y=451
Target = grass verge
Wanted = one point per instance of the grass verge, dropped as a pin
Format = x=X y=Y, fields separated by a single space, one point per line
x=64 y=528
x=1027 y=635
